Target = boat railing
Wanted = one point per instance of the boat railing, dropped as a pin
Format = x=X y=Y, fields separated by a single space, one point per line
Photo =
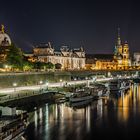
x=19 y=130
x=12 y=132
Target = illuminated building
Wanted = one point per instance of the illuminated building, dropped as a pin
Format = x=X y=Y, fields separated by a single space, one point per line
x=90 y=62
x=120 y=59
x=121 y=54
x=136 y=59
x=5 y=42
x=70 y=59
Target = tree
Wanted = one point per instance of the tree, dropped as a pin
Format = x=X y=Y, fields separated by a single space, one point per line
x=49 y=65
x=39 y=65
x=27 y=66
x=43 y=65
x=15 y=57
x=58 y=66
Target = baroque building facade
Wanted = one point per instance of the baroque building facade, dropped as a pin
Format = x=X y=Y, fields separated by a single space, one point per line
x=121 y=58
x=70 y=59
x=121 y=54
x=136 y=59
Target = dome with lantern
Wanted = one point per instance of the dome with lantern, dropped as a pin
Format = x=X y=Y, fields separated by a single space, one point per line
x=4 y=38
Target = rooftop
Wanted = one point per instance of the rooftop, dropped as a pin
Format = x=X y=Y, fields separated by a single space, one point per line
x=100 y=56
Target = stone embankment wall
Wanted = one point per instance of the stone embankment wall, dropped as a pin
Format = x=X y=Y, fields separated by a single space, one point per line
x=28 y=79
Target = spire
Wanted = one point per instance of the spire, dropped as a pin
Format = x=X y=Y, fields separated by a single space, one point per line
x=119 y=39
x=115 y=50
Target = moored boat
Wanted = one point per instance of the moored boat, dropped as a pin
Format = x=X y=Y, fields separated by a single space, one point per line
x=117 y=85
x=81 y=104
x=80 y=96
x=136 y=80
x=80 y=99
x=60 y=100
x=13 y=127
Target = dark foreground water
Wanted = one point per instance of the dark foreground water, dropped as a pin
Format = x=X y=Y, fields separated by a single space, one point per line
x=113 y=118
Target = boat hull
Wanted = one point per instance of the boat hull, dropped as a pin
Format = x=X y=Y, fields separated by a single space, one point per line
x=80 y=99
x=81 y=104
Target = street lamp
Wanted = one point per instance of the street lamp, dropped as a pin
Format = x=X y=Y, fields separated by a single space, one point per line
x=61 y=84
x=6 y=67
x=94 y=79
x=14 y=85
x=75 y=82
x=47 y=85
x=40 y=82
x=87 y=81
x=86 y=78
x=75 y=79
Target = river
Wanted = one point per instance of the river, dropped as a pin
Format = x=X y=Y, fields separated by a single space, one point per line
x=110 y=118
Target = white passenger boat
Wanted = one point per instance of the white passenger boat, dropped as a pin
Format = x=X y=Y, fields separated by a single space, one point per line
x=118 y=85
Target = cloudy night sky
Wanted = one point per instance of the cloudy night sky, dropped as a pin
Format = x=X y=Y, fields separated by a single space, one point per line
x=74 y=23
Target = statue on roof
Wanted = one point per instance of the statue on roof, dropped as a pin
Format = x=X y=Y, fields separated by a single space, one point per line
x=2 y=28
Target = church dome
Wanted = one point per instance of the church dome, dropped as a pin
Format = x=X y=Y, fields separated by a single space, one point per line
x=4 y=38
x=126 y=45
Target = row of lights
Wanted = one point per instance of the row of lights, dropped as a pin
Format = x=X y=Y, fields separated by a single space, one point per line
x=40 y=82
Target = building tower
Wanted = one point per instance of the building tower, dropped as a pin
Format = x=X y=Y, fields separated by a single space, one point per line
x=119 y=45
x=121 y=54
x=118 y=51
x=126 y=60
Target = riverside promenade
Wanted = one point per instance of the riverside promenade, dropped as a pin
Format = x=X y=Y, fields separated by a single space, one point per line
x=8 y=94
x=16 y=93
x=49 y=85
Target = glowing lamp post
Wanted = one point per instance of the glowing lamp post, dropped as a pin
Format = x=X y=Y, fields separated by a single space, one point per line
x=40 y=82
x=94 y=79
x=87 y=81
x=47 y=85
x=6 y=67
x=14 y=85
x=61 y=84
x=75 y=82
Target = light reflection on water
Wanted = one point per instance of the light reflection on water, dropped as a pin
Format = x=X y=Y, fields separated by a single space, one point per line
x=98 y=118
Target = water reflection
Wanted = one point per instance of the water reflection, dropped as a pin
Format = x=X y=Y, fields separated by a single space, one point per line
x=60 y=121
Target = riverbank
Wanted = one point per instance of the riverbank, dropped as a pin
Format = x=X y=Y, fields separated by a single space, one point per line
x=28 y=79
x=36 y=95
x=34 y=78
x=42 y=94
x=34 y=100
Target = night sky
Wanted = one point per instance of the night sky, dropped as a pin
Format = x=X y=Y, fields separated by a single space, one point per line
x=91 y=24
